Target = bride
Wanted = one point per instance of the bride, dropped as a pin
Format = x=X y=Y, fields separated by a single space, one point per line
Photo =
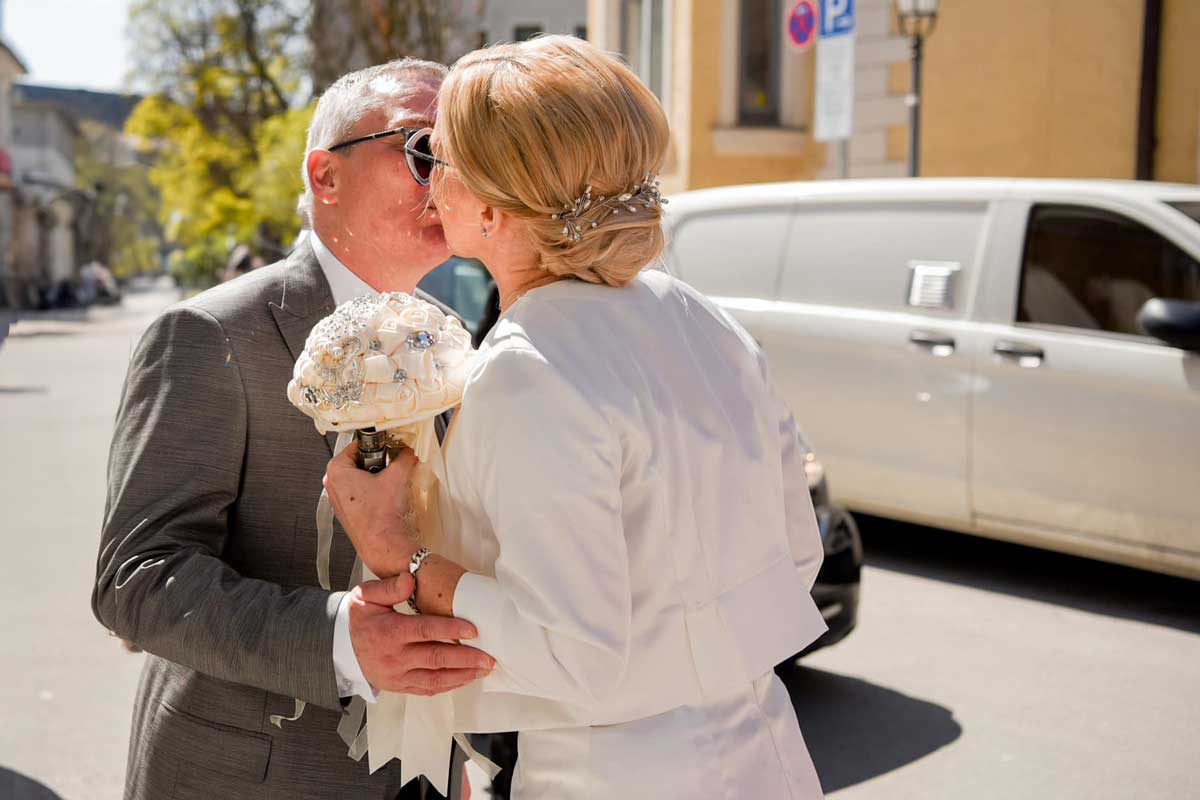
x=630 y=529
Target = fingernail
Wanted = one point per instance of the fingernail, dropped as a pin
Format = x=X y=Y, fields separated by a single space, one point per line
x=482 y=673
x=467 y=632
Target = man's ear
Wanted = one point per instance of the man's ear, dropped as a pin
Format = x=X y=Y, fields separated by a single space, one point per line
x=322 y=167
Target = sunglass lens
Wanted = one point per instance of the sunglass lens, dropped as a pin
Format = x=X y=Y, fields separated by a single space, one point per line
x=421 y=155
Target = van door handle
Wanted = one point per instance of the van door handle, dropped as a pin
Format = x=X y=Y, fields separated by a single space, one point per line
x=1026 y=355
x=937 y=343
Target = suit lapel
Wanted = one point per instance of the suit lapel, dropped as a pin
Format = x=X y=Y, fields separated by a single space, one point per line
x=304 y=301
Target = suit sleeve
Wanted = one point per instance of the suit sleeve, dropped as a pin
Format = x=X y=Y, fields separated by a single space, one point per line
x=174 y=476
x=557 y=614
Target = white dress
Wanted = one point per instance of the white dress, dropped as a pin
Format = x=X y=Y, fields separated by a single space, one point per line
x=628 y=494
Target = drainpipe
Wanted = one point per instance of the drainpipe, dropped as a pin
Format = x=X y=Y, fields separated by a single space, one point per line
x=1148 y=89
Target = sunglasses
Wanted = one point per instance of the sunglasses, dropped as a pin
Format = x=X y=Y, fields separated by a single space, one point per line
x=418 y=151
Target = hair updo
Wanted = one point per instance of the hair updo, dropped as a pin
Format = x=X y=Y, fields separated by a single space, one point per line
x=530 y=126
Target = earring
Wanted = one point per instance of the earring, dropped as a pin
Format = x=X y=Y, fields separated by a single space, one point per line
x=483 y=232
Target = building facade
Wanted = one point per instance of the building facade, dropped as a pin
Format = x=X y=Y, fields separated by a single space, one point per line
x=11 y=68
x=44 y=137
x=1021 y=88
x=517 y=20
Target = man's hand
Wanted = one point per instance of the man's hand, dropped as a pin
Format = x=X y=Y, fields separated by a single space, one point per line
x=373 y=508
x=410 y=654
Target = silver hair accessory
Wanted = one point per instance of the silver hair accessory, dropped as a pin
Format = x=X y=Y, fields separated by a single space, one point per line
x=586 y=212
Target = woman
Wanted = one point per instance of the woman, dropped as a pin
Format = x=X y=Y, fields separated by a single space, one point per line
x=631 y=529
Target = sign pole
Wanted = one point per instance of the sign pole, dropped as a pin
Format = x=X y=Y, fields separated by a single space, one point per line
x=834 y=104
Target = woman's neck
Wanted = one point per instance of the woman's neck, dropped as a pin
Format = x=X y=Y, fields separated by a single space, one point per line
x=514 y=280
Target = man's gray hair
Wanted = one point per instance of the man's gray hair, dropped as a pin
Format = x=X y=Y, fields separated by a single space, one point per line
x=353 y=96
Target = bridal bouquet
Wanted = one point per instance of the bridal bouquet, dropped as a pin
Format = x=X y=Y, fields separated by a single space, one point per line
x=388 y=361
x=391 y=362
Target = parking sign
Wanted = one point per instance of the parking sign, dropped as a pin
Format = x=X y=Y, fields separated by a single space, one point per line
x=837 y=17
x=834 y=103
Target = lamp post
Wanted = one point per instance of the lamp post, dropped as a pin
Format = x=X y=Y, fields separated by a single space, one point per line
x=916 y=20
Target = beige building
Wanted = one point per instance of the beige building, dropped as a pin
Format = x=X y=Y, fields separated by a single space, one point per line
x=44 y=213
x=1050 y=88
x=11 y=68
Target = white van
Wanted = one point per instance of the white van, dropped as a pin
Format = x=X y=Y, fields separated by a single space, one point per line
x=972 y=354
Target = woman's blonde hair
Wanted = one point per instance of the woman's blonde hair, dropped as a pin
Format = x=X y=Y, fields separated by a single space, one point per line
x=530 y=126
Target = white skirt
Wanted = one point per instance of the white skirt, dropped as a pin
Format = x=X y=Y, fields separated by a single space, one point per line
x=746 y=744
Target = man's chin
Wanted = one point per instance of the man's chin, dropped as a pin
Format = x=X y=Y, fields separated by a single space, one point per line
x=434 y=237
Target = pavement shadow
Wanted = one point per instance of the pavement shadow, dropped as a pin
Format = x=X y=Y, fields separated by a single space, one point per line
x=856 y=730
x=1031 y=573
x=15 y=786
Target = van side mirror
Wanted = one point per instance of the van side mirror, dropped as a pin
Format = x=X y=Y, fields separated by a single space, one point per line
x=1176 y=322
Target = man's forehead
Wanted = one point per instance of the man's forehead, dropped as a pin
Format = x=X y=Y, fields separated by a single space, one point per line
x=411 y=118
x=410 y=100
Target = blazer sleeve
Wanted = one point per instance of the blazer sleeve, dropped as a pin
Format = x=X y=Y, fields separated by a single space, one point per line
x=804 y=534
x=174 y=475
x=547 y=469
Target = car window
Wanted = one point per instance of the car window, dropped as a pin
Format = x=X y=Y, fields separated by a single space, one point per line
x=917 y=257
x=1094 y=269
x=1190 y=209
x=462 y=284
x=731 y=253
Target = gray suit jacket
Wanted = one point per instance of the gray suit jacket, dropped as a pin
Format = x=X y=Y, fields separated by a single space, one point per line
x=207 y=558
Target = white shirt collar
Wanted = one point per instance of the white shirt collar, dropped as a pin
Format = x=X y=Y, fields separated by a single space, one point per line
x=343 y=284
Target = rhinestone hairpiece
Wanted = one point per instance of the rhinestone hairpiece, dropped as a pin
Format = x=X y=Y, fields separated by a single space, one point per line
x=587 y=212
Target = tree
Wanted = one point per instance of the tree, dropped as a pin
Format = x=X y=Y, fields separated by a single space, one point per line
x=229 y=96
x=224 y=79
x=232 y=63
x=347 y=36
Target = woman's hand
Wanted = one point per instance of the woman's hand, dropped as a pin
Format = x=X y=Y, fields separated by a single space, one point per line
x=374 y=509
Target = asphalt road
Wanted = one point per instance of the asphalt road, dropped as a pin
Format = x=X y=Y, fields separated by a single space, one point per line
x=979 y=670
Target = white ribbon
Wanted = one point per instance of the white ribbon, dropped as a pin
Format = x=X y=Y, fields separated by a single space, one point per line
x=420 y=730
x=417 y=730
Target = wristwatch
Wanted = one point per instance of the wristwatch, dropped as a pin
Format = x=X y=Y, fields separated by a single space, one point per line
x=414 y=564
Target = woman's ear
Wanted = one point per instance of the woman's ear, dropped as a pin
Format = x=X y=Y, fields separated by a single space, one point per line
x=489 y=219
x=322 y=176
x=497 y=220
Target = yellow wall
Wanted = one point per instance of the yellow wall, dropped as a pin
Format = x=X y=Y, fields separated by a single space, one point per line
x=1179 y=94
x=1034 y=88
x=705 y=167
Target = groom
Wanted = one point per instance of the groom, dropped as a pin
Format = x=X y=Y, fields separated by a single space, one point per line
x=207 y=555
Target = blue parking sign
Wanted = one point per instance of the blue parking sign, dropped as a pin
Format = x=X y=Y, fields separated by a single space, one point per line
x=837 y=17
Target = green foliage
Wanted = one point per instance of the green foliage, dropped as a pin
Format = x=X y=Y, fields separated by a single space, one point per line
x=225 y=119
x=275 y=183
x=225 y=74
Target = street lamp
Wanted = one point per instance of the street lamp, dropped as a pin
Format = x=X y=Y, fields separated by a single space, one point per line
x=916 y=20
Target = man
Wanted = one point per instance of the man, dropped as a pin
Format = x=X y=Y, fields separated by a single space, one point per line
x=208 y=551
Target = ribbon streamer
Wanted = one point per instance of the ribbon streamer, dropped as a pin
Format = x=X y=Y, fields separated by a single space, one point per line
x=417 y=730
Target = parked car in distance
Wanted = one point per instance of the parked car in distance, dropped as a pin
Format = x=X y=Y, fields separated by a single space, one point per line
x=1009 y=358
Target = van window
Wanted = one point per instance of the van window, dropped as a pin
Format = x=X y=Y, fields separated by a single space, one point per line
x=731 y=253
x=1094 y=269
x=862 y=255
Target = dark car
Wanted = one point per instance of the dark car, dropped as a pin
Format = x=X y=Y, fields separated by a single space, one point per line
x=464 y=285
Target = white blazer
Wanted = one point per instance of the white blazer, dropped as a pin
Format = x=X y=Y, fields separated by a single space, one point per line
x=631 y=498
